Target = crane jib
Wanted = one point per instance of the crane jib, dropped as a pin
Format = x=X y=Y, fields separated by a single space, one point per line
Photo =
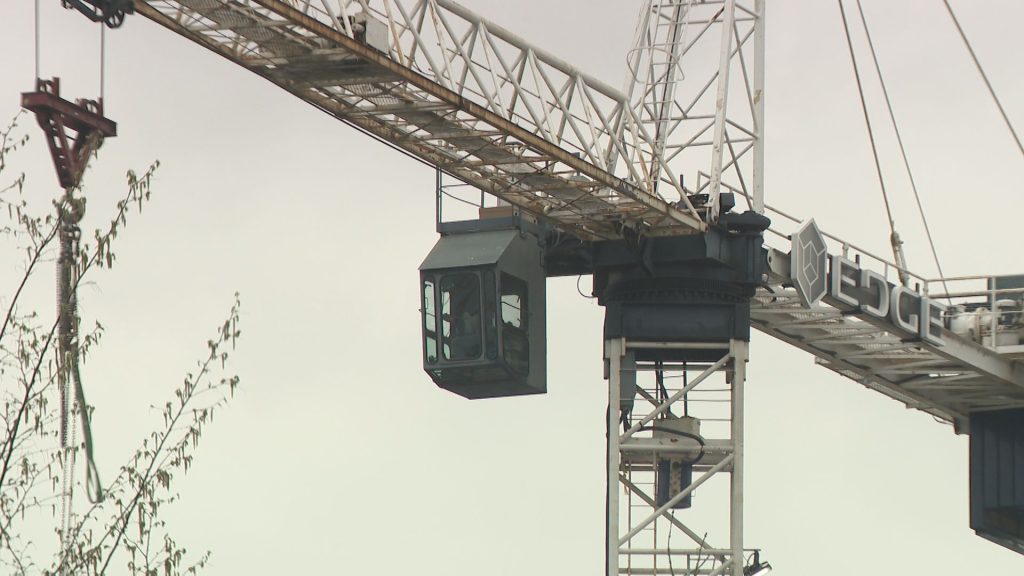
x=681 y=286
x=556 y=169
x=916 y=315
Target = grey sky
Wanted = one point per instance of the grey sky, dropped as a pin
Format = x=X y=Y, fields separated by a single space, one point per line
x=339 y=455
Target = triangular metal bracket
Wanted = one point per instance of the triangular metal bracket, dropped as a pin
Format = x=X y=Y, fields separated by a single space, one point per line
x=74 y=130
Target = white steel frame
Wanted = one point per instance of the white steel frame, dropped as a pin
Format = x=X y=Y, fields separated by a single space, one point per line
x=690 y=62
x=948 y=382
x=474 y=100
x=639 y=531
x=459 y=92
x=470 y=97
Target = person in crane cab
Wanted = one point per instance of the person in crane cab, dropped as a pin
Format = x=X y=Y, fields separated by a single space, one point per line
x=465 y=337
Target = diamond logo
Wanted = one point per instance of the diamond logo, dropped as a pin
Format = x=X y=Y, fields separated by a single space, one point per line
x=808 y=263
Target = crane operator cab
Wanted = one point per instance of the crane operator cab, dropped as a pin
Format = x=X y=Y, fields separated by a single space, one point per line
x=483 y=313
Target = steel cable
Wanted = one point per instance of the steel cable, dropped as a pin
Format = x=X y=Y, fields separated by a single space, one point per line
x=899 y=140
x=984 y=77
x=71 y=211
x=37 y=39
x=894 y=238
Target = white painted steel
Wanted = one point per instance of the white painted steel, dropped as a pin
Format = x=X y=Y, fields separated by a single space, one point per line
x=948 y=381
x=739 y=377
x=690 y=82
x=637 y=451
x=651 y=539
x=661 y=510
x=661 y=408
x=461 y=93
x=721 y=102
x=471 y=98
x=758 y=107
x=614 y=350
x=475 y=100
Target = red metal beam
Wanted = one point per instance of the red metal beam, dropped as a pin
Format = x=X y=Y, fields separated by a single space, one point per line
x=74 y=130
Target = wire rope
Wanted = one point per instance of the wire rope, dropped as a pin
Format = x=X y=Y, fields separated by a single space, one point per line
x=71 y=211
x=903 y=151
x=65 y=265
x=103 y=61
x=977 y=64
x=894 y=237
x=37 y=39
x=69 y=379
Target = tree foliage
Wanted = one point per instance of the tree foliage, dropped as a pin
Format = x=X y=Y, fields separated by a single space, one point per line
x=123 y=532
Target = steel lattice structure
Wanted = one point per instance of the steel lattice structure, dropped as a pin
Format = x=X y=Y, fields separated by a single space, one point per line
x=476 y=101
x=696 y=78
x=645 y=535
x=459 y=92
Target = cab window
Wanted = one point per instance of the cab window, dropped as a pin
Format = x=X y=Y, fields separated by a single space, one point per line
x=461 y=325
x=514 y=317
x=429 y=321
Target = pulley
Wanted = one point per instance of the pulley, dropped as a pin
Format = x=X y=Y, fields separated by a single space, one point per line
x=110 y=12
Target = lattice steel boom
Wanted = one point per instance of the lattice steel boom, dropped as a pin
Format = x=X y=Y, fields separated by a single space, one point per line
x=663 y=159
x=457 y=91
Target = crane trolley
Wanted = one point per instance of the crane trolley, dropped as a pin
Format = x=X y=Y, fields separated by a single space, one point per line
x=110 y=12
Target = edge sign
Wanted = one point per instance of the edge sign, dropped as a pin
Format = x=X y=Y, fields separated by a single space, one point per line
x=816 y=273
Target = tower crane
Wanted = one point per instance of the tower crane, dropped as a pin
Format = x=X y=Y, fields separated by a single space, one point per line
x=656 y=191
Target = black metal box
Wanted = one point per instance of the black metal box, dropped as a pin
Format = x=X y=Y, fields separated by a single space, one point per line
x=997 y=477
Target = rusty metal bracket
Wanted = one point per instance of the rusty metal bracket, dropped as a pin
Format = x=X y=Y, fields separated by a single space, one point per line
x=74 y=130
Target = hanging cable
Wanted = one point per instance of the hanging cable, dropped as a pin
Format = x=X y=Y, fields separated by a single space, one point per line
x=903 y=151
x=894 y=237
x=659 y=381
x=984 y=77
x=580 y=290
x=67 y=222
x=37 y=38
x=103 y=61
x=686 y=383
x=70 y=162
x=70 y=212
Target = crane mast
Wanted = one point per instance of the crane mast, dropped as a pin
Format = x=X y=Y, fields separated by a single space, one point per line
x=680 y=425
x=656 y=190
x=707 y=137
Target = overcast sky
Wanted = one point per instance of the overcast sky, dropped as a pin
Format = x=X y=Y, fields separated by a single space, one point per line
x=338 y=454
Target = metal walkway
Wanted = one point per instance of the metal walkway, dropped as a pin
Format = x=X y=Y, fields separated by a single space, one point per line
x=948 y=381
x=471 y=98
x=488 y=108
